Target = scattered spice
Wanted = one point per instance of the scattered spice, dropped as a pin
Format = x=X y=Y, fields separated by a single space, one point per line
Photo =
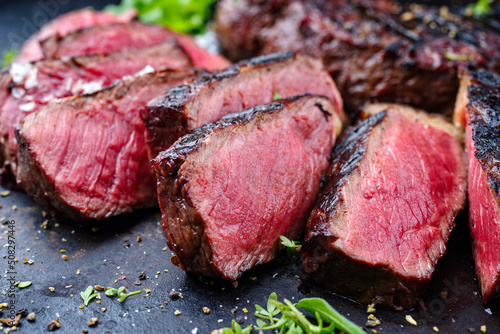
x=410 y=320
x=435 y=329
x=443 y=294
x=5 y=193
x=68 y=286
x=164 y=249
x=372 y=321
x=25 y=261
x=81 y=306
x=371 y=308
x=234 y=284
x=126 y=244
x=177 y=312
x=483 y=329
x=31 y=316
x=98 y=287
x=137 y=283
x=146 y=291
x=14 y=207
x=206 y=310
x=62 y=251
x=51 y=289
x=234 y=310
x=23 y=312
x=54 y=324
x=64 y=240
x=65 y=257
x=139 y=239
x=121 y=278
x=103 y=309
x=142 y=276
x=9 y=322
x=244 y=310
x=175 y=295
x=92 y=321
x=78 y=272
x=30 y=262
x=45 y=224
x=85 y=330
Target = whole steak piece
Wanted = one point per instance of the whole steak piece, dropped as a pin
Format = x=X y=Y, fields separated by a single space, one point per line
x=117 y=36
x=33 y=85
x=86 y=156
x=373 y=49
x=244 y=85
x=65 y=24
x=483 y=153
x=396 y=182
x=229 y=189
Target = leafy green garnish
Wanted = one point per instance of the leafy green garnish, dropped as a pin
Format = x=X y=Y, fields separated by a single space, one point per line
x=23 y=285
x=187 y=16
x=7 y=57
x=276 y=96
x=455 y=56
x=236 y=329
x=293 y=321
x=121 y=292
x=291 y=246
x=88 y=295
x=481 y=7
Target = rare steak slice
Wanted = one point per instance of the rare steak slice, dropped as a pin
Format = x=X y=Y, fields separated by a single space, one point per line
x=241 y=86
x=117 y=36
x=65 y=24
x=483 y=152
x=86 y=157
x=36 y=84
x=229 y=189
x=375 y=50
x=395 y=184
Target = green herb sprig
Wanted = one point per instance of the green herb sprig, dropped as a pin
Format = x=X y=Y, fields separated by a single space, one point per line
x=8 y=57
x=294 y=321
x=121 y=292
x=276 y=96
x=25 y=284
x=187 y=16
x=481 y=7
x=292 y=246
x=88 y=295
x=236 y=329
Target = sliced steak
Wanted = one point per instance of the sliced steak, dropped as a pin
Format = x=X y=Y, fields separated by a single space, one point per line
x=65 y=24
x=483 y=153
x=36 y=84
x=241 y=86
x=86 y=156
x=372 y=49
x=113 y=37
x=229 y=189
x=378 y=228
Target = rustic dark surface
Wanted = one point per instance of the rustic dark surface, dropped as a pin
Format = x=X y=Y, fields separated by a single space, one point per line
x=102 y=258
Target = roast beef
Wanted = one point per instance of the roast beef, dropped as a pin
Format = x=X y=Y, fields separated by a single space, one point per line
x=113 y=37
x=229 y=189
x=65 y=24
x=241 y=86
x=36 y=84
x=86 y=156
x=373 y=49
x=395 y=184
x=482 y=100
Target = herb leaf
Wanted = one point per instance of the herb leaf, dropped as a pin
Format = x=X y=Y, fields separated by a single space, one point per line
x=88 y=295
x=187 y=16
x=291 y=246
x=110 y=292
x=23 y=285
x=8 y=57
x=124 y=295
x=481 y=7
x=276 y=96
x=455 y=56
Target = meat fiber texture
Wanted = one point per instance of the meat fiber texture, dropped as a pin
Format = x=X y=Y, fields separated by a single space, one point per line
x=65 y=24
x=33 y=85
x=229 y=189
x=86 y=156
x=117 y=36
x=482 y=106
x=244 y=85
x=397 y=180
x=373 y=50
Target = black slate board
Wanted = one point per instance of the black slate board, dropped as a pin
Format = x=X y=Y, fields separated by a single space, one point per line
x=98 y=250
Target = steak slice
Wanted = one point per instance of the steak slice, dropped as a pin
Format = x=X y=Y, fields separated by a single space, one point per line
x=378 y=228
x=114 y=37
x=229 y=189
x=372 y=49
x=483 y=152
x=36 y=84
x=65 y=24
x=86 y=156
x=244 y=85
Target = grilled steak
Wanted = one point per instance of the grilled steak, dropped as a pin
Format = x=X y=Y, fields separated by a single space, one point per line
x=229 y=189
x=113 y=37
x=65 y=24
x=36 y=84
x=395 y=185
x=372 y=49
x=86 y=156
x=482 y=100
x=241 y=86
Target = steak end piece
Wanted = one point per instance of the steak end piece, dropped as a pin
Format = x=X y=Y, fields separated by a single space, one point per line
x=229 y=189
x=86 y=156
x=244 y=85
x=395 y=184
x=482 y=117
